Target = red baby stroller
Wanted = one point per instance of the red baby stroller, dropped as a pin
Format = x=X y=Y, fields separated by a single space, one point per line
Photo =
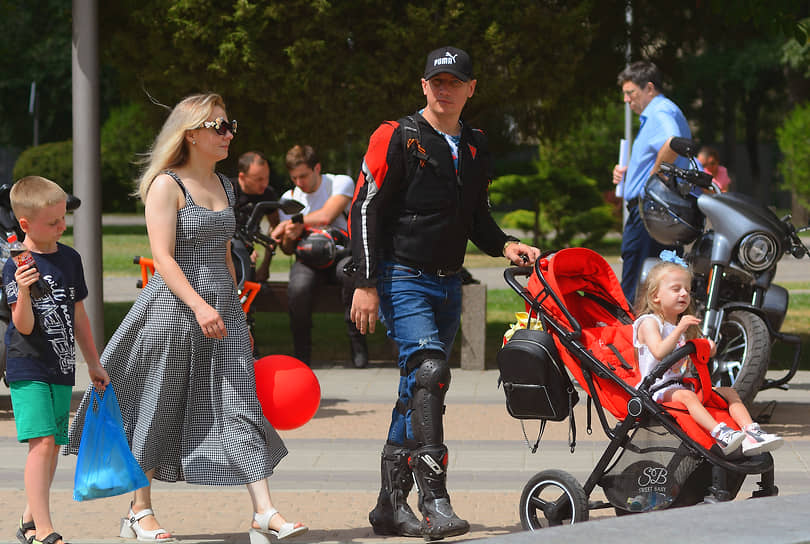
x=657 y=456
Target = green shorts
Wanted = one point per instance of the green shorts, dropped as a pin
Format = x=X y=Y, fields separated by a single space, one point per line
x=41 y=409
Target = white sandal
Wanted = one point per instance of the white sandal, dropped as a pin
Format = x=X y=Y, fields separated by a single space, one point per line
x=131 y=528
x=260 y=536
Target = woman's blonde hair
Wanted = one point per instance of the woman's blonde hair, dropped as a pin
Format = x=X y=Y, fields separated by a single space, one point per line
x=170 y=148
x=645 y=304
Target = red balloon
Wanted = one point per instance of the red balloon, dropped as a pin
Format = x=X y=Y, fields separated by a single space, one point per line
x=288 y=391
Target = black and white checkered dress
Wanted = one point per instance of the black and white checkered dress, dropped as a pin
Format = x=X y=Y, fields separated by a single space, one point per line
x=189 y=402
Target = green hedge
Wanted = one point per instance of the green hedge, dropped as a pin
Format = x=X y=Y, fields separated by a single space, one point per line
x=52 y=160
x=794 y=142
x=125 y=134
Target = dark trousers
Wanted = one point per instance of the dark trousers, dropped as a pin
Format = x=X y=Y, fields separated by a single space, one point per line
x=301 y=292
x=637 y=245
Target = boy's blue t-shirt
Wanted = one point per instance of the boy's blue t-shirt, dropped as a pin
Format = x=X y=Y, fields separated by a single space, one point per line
x=48 y=354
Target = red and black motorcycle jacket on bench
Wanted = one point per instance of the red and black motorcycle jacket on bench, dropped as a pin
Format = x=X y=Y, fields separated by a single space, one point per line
x=411 y=206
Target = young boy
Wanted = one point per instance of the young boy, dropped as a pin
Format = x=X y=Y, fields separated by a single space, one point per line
x=41 y=345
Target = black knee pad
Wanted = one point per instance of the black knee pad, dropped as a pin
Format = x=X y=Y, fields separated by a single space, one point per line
x=434 y=375
x=432 y=380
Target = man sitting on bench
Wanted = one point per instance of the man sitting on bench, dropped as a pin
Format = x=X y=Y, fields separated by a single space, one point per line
x=327 y=198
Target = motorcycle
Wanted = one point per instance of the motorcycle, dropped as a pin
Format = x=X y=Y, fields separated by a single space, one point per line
x=733 y=263
x=9 y=225
x=247 y=235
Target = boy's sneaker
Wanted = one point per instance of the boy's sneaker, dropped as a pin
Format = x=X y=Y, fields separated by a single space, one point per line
x=758 y=441
x=727 y=438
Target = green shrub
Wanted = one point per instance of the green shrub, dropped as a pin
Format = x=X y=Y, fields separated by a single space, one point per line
x=794 y=142
x=125 y=134
x=555 y=198
x=53 y=160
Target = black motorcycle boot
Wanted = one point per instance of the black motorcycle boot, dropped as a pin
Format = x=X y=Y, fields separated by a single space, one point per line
x=429 y=466
x=392 y=516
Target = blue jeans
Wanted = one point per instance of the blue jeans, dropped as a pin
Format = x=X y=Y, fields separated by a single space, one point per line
x=637 y=245
x=421 y=312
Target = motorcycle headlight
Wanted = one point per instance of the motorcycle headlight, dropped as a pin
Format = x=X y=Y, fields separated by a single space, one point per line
x=758 y=251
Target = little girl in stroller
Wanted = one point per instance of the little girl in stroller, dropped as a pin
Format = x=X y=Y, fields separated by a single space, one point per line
x=665 y=322
x=657 y=456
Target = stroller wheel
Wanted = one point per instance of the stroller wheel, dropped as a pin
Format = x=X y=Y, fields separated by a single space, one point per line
x=552 y=497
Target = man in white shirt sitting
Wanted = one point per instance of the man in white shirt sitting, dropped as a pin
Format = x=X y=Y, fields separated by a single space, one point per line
x=326 y=198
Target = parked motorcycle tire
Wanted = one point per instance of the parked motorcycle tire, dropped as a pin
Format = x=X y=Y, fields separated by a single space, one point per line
x=743 y=354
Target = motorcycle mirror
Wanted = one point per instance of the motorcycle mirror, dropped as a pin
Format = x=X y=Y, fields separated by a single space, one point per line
x=684 y=147
x=290 y=206
x=73 y=202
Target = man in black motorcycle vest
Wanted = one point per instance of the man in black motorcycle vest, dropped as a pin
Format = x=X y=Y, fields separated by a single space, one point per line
x=422 y=194
x=661 y=120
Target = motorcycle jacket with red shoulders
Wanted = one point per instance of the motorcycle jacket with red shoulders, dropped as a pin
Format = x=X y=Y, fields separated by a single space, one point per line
x=412 y=207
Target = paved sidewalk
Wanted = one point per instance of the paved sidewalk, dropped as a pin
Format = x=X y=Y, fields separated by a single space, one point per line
x=331 y=477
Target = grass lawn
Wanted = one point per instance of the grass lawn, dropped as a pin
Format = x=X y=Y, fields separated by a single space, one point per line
x=331 y=345
x=121 y=243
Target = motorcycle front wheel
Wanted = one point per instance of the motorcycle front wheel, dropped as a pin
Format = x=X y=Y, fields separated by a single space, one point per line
x=743 y=354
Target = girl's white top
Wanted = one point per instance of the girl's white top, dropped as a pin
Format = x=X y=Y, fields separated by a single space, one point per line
x=647 y=361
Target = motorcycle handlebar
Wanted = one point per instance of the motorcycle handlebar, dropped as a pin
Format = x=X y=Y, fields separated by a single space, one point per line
x=261 y=209
x=692 y=176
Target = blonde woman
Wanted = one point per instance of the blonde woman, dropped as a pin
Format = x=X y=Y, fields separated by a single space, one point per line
x=181 y=360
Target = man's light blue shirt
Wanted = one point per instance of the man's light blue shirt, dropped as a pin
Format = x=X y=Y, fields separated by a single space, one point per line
x=660 y=120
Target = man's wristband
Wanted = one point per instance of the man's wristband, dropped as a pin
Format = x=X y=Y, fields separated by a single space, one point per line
x=507 y=244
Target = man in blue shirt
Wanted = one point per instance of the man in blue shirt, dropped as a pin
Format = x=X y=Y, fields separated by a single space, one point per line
x=661 y=120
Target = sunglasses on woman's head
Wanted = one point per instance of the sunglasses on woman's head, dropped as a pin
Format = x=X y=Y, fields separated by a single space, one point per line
x=221 y=126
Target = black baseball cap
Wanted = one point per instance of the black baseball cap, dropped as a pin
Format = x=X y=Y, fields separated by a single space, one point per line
x=451 y=60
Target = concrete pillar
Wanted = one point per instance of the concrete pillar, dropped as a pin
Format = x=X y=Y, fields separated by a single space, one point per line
x=473 y=326
x=87 y=158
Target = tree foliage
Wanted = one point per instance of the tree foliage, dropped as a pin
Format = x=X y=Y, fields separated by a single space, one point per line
x=555 y=199
x=35 y=47
x=327 y=73
x=123 y=137
x=794 y=142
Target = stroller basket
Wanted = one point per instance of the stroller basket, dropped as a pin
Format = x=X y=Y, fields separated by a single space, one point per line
x=534 y=379
x=650 y=472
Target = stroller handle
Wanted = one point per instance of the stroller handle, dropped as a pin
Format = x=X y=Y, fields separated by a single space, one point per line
x=509 y=275
x=665 y=363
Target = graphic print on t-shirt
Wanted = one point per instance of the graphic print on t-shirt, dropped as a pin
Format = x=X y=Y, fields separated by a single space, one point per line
x=57 y=325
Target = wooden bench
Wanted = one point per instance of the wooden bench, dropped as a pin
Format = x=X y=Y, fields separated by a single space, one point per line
x=273 y=298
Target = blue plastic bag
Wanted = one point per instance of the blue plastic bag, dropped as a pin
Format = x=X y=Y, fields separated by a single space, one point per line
x=105 y=465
